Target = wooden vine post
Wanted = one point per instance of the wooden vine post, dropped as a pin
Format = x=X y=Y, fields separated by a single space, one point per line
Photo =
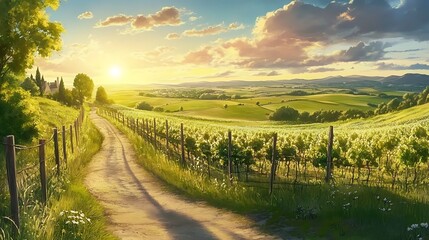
x=166 y=136
x=154 y=132
x=273 y=163
x=11 y=178
x=329 y=162
x=229 y=157
x=182 y=143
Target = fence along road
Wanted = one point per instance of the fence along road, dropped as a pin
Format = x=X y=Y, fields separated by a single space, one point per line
x=140 y=207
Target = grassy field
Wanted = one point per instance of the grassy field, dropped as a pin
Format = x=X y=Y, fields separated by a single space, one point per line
x=256 y=107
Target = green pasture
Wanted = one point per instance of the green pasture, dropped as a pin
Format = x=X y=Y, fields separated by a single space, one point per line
x=247 y=108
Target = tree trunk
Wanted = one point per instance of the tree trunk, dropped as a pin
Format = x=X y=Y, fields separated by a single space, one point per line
x=415 y=175
x=296 y=171
x=369 y=173
x=288 y=169
x=208 y=167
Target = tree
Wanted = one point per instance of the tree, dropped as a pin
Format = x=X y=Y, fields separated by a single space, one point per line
x=30 y=86
x=38 y=82
x=101 y=95
x=144 y=106
x=25 y=29
x=62 y=92
x=83 y=86
x=285 y=114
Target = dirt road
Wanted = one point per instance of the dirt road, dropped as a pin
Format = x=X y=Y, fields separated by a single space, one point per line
x=139 y=207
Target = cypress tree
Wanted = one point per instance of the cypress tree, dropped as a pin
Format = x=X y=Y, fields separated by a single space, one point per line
x=62 y=92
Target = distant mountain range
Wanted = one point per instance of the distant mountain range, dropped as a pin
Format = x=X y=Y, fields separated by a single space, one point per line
x=407 y=82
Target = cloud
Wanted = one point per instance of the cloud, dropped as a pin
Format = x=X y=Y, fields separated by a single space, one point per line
x=118 y=20
x=172 y=36
x=167 y=16
x=212 y=30
x=202 y=56
x=285 y=37
x=357 y=20
x=360 y=53
x=268 y=74
x=85 y=15
x=323 y=69
x=193 y=18
x=159 y=51
x=392 y=66
x=221 y=75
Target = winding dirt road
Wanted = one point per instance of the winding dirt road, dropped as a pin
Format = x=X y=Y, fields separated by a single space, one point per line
x=138 y=206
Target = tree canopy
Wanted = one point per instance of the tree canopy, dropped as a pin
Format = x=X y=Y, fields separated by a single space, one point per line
x=25 y=30
x=83 y=87
x=101 y=95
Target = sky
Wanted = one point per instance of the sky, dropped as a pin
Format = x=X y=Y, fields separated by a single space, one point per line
x=146 y=41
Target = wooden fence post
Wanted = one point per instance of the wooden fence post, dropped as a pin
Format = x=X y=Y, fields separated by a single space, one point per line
x=137 y=126
x=42 y=170
x=154 y=132
x=166 y=135
x=329 y=162
x=76 y=135
x=64 y=144
x=273 y=163
x=123 y=119
x=229 y=156
x=143 y=129
x=148 y=130
x=182 y=143
x=11 y=178
x=71 y=138
x=56 y=150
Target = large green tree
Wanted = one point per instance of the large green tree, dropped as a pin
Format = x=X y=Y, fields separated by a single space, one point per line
x=83 y=87
x=25 y=30
x=101 y=95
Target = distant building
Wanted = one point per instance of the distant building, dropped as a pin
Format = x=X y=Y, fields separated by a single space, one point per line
x=50 y=88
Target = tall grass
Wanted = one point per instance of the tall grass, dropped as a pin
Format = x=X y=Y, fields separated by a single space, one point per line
x=312 y=211
x=66 y=193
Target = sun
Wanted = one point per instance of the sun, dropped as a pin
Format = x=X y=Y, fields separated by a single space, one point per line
x=115 y=72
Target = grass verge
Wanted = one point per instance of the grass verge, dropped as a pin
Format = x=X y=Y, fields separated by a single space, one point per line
x=71 y=211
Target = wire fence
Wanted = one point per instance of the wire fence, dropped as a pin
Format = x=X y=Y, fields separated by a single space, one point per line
x=43 y=160
x=269 y=171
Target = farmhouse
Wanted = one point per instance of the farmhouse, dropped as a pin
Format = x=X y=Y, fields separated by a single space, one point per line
x=50 y=88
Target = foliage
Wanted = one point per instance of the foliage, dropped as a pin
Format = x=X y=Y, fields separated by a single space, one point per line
x=144 y=106
x=25 y=29
x=30 y=86
x=83 y=87
x=101 y=96
x=18 y=115
x=62 y=92
x=285 y=114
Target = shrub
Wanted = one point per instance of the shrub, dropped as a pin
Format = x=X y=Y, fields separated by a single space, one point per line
x=285 y=114
x=18 y=115
x=144 y=106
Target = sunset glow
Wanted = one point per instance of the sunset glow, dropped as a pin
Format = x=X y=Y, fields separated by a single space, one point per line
x=183 y=41
x=115 y=72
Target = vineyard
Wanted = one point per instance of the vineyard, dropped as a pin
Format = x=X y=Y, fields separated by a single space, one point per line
x=393 y=157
